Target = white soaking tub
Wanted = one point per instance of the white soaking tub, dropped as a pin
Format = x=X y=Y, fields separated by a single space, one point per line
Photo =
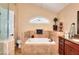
x=38 y=46
x=39 y=41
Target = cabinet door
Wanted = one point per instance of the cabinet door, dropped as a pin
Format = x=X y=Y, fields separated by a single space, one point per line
x=61 y=46
x=61 y=52
x=68 y=50
x=71 y=48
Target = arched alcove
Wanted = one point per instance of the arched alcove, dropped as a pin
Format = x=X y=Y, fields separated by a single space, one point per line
x=39 y=20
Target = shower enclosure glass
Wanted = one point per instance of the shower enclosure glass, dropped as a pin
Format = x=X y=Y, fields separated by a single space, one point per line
x=4 y=21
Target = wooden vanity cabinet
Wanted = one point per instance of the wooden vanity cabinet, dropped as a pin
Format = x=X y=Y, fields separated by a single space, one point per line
x=71 y=48
x=61 y=46
x=67 y=47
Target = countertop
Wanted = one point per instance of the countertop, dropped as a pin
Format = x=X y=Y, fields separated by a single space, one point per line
x=73 y=40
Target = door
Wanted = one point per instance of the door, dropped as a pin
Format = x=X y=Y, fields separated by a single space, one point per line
x=3 y=23
x=11 y=23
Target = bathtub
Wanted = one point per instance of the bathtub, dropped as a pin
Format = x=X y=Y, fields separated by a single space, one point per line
x=38 y=46
x=39 y=41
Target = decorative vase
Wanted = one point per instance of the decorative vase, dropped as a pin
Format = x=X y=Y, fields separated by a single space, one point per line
x=55 y=27
x=61 y=27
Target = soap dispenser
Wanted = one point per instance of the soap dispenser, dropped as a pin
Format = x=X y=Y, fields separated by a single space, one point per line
x=66 y=35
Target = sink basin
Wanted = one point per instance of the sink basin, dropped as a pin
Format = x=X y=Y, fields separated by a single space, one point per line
x=76 y=40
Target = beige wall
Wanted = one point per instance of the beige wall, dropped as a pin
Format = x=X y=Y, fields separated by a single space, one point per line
x=25 y=12
x=28 y=11
x=69 y=15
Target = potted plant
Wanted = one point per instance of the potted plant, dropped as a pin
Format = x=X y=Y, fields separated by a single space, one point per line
x=55 y=25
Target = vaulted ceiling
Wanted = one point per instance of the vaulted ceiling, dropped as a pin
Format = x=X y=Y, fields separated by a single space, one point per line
x=54 y=7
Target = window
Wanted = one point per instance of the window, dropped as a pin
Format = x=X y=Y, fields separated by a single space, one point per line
x=39 y=20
